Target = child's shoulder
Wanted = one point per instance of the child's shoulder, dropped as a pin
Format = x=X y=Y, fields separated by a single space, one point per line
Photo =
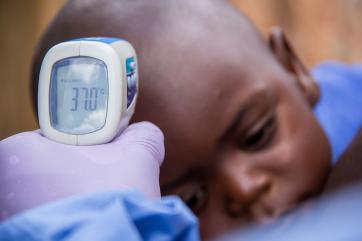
x=339 y=109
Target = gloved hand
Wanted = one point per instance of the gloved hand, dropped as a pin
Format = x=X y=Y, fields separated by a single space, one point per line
x=35 y=170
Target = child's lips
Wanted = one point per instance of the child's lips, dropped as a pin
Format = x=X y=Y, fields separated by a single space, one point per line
x=261 y=213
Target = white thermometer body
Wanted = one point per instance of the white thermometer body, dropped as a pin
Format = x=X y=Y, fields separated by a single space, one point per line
x=87 y=91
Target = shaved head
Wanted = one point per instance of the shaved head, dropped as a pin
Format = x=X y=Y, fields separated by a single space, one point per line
x=173 y=40
x=159 y=30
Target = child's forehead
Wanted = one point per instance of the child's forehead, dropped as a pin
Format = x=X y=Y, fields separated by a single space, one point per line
x=201 y=90
x=216 y=64
x=202 y=71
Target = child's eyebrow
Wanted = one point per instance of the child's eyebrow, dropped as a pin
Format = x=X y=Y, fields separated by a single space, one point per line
x=234 y=124
x=245 y=108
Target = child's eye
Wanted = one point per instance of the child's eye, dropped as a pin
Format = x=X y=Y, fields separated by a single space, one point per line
x=261 y=137
x=196 y=198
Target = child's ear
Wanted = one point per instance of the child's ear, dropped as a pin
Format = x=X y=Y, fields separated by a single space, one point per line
x=290 y=61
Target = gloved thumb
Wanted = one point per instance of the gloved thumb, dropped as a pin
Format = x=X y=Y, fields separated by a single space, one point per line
x=131 y=160
x=148 y=136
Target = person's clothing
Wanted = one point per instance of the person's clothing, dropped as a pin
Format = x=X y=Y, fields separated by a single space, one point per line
x=339 y=110
x=108 y=216
x=335 y=217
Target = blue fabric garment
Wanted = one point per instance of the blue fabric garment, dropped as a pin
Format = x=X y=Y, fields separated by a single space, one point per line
x=339 y=110
x=109 y=216
x=334 y=217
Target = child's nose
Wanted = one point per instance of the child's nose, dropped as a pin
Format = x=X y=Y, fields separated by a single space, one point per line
x=242 y=188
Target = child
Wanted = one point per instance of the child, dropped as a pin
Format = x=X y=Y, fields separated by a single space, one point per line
x=242 y=143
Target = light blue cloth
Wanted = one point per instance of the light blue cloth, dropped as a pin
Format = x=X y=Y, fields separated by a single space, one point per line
x=336 y=217
x=109 y=216
x=339 y=110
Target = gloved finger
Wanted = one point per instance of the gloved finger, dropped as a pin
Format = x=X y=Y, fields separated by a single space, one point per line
x=147 y=136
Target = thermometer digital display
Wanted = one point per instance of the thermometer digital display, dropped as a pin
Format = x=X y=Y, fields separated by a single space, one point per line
x=87 y=90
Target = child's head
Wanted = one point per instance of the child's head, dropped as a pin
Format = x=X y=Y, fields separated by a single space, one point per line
x=241 y=141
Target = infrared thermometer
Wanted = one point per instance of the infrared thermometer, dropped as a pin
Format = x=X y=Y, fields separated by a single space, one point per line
x=87 y=90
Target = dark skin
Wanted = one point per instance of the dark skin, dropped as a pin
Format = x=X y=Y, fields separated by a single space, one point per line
x=348 y=169
x=242 y=144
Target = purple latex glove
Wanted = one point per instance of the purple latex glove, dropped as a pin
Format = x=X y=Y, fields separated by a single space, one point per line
x=35 y=170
